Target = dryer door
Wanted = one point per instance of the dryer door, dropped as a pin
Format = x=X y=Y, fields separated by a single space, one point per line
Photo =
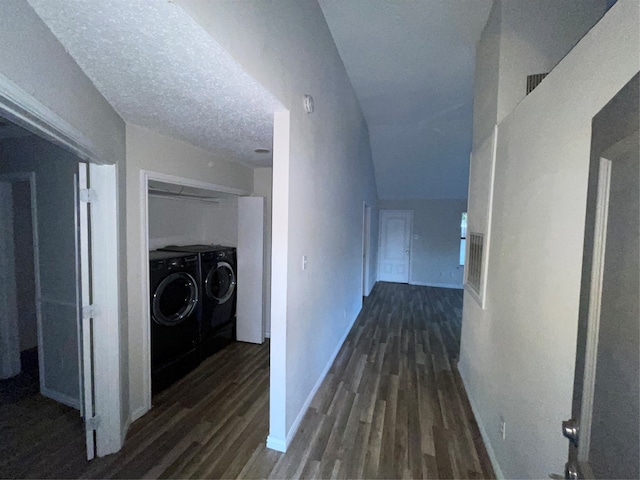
x=175 y=299
x=220 y=282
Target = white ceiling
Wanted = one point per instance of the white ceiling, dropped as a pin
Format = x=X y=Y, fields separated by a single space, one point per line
x=411 y=63
x=159 y=69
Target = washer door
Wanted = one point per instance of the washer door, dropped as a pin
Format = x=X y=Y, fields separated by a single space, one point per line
x=220 y=282
x=175 y=299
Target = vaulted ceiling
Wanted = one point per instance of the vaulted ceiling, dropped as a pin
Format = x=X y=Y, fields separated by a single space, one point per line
x=411 y=64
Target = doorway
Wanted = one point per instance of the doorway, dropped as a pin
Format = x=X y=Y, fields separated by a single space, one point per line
x=603 y=430
x=44 y=127
x=366 y=248
x=395 y=245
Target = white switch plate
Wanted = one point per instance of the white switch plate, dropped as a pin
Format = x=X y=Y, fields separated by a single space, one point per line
x=304 y=262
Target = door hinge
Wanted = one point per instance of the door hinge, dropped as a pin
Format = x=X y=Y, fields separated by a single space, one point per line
x=93 y=423
x=89 y=311
x=88 y=195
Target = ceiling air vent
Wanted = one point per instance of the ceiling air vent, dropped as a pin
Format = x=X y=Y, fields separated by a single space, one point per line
x=534 y=80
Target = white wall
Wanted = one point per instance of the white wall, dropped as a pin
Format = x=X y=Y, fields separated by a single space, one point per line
x=435 y=244
x=55 y=199
x=178 y=221
x=287 y=46
x=263 y=187
x=518 y=355
x=150 y=151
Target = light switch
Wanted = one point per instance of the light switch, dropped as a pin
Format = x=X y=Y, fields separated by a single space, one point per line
x=304 y=262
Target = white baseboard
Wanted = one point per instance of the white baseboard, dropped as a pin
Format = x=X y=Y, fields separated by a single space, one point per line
x=485 y=437
x=276 y=444
x=296 y=423
x=61 y=397
x=457 y=286
x=138 y=413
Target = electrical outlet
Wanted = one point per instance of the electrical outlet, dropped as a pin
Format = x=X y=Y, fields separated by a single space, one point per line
x=503 y=428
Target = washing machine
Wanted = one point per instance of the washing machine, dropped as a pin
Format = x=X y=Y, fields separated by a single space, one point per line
x=218 y=287
x=175 y=328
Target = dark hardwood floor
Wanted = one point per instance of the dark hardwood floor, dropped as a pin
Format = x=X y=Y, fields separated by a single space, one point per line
x=391 y=406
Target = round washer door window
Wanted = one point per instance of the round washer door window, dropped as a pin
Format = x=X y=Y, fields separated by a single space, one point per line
x=175 y=299
x=220 y=282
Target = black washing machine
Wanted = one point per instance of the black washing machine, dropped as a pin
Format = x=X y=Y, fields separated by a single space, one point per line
x=175 y=328
x=218 y=287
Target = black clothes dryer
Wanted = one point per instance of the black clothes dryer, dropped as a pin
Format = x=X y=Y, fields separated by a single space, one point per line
x=218 y=287
x=174 y=316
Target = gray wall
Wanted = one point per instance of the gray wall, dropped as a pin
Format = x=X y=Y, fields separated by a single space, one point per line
x=55 y=200
x=435 y=244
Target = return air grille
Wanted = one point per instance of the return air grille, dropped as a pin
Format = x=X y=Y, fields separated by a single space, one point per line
x=474 y=266
x=534 y=80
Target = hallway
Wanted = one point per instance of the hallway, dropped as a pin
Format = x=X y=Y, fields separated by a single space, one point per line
x=390 y=407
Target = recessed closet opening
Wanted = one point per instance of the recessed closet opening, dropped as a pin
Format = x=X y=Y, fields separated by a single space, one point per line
x=205 y=278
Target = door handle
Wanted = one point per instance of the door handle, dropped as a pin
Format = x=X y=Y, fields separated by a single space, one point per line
x=571 y=430
x=406 y=251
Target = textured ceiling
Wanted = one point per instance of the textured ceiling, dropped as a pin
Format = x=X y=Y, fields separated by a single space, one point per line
x=411 y=63
x=159 y=69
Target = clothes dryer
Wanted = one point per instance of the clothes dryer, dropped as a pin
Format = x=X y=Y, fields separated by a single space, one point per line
x=219 y=295
x=174 y=316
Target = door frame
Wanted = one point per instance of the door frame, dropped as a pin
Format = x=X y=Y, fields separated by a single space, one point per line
x=24 y=110
x=366 y=248
x=11 y=289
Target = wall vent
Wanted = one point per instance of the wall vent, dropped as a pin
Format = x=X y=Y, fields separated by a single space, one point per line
x=474 y=265
x=534 y=80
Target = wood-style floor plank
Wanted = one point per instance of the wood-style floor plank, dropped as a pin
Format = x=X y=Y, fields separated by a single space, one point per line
x=391 y=406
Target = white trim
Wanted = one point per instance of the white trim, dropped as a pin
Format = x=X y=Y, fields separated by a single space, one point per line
x=296 y=423
x=60 y=397
x=595 y=299
x=24 y=110
x=279 y=286
x=483 y=432
x=276 y=444
x=481 y=297
x=456 y=286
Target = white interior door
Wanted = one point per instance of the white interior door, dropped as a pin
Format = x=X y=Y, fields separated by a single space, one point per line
x=603 y=431
x=85 y=317
x=395 y=245
x=250 y=274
